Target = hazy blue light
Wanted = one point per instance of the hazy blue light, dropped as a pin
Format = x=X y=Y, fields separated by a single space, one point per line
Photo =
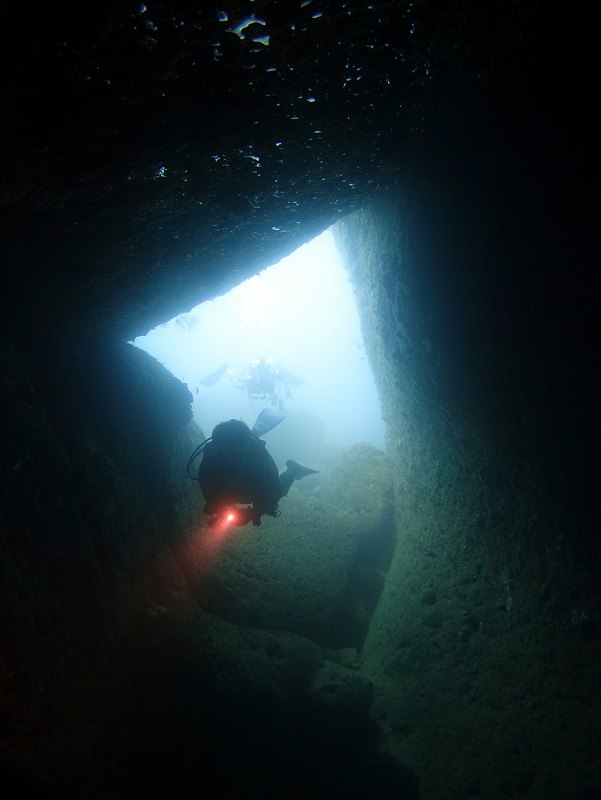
x=301 y=313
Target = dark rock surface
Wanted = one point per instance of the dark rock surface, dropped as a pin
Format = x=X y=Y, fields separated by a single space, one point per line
x=152 y=157
x=491 y=605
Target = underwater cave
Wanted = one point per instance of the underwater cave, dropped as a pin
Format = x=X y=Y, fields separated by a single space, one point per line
x=422 y=621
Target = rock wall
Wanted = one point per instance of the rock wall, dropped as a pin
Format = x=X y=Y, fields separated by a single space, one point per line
x=93 y=443
x=485 y=637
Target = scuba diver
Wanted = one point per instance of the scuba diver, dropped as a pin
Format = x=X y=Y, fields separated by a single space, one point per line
x=261 y=379
x=238 y=477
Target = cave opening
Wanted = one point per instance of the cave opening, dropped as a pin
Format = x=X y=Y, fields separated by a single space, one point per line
x=300 y=318
x=303 y=314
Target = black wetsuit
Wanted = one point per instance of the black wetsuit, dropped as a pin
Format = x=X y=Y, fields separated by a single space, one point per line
x=252 y=479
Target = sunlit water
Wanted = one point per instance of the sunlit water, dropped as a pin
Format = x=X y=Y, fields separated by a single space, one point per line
x=301 y=313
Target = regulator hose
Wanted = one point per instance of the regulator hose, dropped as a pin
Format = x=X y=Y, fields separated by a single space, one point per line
x=194 y=456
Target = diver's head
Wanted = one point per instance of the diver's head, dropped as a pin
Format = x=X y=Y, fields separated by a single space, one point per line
x=230 y=439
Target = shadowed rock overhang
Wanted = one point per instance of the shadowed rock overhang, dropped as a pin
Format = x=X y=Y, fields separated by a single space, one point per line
x=155 y=156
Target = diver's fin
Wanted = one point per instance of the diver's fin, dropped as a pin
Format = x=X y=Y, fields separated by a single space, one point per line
x=267 y=420
x=298 y=470
x=211 y=379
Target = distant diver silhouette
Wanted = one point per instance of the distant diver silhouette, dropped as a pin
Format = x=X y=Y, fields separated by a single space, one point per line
x=261 y=379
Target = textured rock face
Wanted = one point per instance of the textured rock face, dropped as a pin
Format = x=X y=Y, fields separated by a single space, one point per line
x=479 y=604
x=81 y=520
x=153 y=157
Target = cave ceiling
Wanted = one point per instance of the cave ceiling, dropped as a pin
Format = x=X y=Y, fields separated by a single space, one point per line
x=156 y=154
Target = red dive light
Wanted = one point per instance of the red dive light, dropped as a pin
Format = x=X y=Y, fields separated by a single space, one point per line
x=228 y=516
x=224 y=519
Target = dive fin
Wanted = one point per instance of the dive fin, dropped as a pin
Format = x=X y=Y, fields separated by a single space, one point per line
x=298 y=470
x=267 y=420
x=212 y=379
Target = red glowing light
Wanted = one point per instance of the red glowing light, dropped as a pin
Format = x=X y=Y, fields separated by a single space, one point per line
x=230 y=517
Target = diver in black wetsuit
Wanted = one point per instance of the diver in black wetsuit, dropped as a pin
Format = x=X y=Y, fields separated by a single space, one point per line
x=236 y=468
